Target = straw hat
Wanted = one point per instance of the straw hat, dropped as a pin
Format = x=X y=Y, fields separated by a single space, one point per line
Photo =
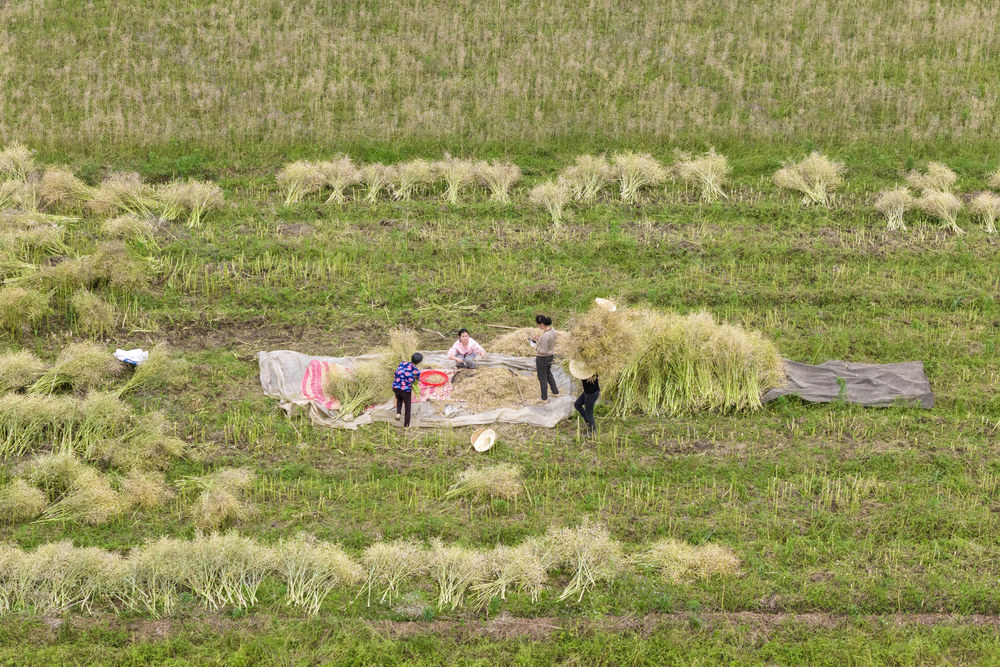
x=606 y=304
x=483 y=439
x=580 y=370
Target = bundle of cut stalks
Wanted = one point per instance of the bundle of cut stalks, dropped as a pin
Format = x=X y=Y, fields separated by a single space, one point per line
x=124 y=192
x=225 y=569
x=60 y=190
x=129 y=228
x=299 y=179
x=603 y=340
x=457 y=175
x=454 y=570
x=509 y=567
x=221 y=497
x=338 y=175
x=21 y=308
x=19 y=370
x=492 y=388
x=58 y=577
x=47 y=239
x=553 y=196
x=17 y=161
x=19 y=501
x=708 y=171
x=376 y=177
x=195 y=198
x=515 y=343
x=161 y=369
x=894 y=204
x=636 y=171
x=986 y=205
x=90 y=500
x=815 y=176
x=388 y=565
x=944 y=206
x=370 y=381
x=937 y=177
x=79 y=366
x=588 y=552
x=94 y=316
x=499 y=177
x=995 y=179
x=587 y=176
x=312 y=569
x=411 y=177
x=151 y=576
x=499 y=481
x=145 y=490
x=682 y=562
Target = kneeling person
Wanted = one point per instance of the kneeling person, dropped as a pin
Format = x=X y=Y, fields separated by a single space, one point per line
x=466 y=350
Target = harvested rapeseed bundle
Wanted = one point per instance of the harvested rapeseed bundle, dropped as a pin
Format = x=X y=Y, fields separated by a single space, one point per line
x=893 y=204
x=636 y=171
x=192 y=197
x=553 y=196
x=411 y=177
x=515 y=343
x=21 y=308
x=61 y=190
x=90 y=500
x=589 y=552
x=492 y=388
x=19 y=501
x=376 y=178
x=944 y=206
x=55 y=473
x=129 y=228
x=499 y=177
x=815 y=176
x=454 y=570
x=94 y=316
x=987 y=206
x=221 y=497
x=709 y=171
x=603 y=340
x=937 y=177
x=19 y=370
x=57 y=577
x=509 y=567
x=224 y=569
x=79 y=366
x=498 y=481
x=299 y=179
x=995 y=179
x=124 y=192
x=587 y=176
x=338 y=175
x=457 y=175
x=389 y=564
x=17 y=161
x=161 y=369
x=151 y=576
x=145 y=490
x=311 y=570
x=682 y=562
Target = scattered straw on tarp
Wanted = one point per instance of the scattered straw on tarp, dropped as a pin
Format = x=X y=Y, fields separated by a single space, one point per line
x=515 y=343
x=491 y=388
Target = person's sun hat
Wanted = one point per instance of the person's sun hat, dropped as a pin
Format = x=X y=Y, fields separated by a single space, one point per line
x=483 y=439
x=580 y=370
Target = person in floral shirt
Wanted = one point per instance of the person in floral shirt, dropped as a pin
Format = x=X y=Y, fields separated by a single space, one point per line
x=402 y=385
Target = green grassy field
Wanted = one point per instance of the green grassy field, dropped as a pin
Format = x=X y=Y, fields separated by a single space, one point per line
x=866 y=536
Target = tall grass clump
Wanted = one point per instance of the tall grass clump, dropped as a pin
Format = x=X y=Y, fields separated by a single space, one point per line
x=938 y=177
x=193 y=198
x=708 y=171
x=221 y=498
x=130 y=229
x=635 y=171
x=124 y=192
x=57 y=577
x=589 y=553
x=815 y=176
x=497 y=481
x=299 y=179
x=22 y=308
x=410 y=178
x=376 y=178
x=339 y=174
x=19 y=370
x=553 y=196
x=61 y=190
x=19 y=501
x=311 y=570
x=454 y=569
x=521 y=567
x=94 y=316
x=681 y=365
x=79 y=366
x=457 y=175
x=388 y=565
x=90 y=500
x=986 y=205
x=681 y=562
x=225 y=569
x=893 y=204
x=498 y=178
x=587 y=176
x=944 y=206
x=17 y=161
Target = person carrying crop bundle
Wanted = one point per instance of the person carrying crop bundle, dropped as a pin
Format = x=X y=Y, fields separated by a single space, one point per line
x=545 y=349
x=585 y=402
x=402 y=385
x=466 y=350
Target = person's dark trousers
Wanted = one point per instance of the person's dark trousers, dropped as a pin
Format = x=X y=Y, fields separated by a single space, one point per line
x=545 y=378
x=585 y=406
x=403 y=399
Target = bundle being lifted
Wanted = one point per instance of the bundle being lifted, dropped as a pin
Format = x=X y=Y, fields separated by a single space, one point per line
x=662 y=363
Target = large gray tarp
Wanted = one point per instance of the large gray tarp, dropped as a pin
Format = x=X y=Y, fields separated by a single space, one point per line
x=874 y=385
x=282 y=372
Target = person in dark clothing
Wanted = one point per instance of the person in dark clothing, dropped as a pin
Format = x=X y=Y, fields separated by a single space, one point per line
x=585 y=403
x=545 y=348
x=402 y=385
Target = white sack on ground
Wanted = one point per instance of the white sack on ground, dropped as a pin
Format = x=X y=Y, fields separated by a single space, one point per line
x=287 y=376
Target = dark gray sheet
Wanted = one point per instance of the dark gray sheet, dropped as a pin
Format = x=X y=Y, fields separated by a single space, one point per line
x=876 y=385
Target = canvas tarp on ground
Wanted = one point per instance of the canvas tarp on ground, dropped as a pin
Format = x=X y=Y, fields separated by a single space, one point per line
x=296 y=381
x=873 y=385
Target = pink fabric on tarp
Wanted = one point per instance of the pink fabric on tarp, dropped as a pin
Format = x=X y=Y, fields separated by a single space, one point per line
x=312 y=387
